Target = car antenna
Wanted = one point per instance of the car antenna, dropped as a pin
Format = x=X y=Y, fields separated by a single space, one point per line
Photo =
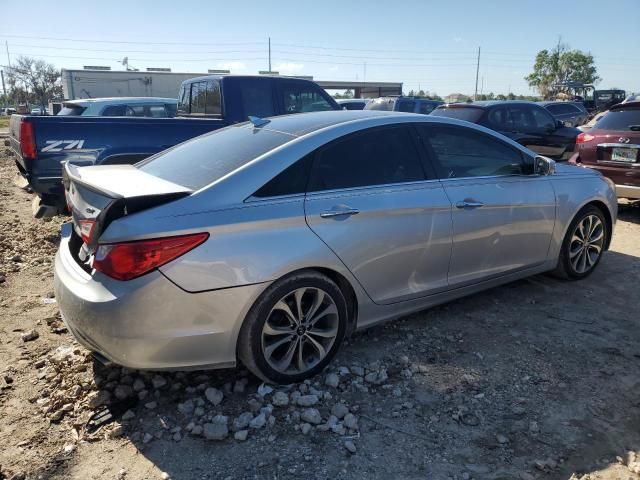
x=258 y=122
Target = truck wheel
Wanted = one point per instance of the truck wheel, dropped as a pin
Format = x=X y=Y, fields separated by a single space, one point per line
x=294 y=329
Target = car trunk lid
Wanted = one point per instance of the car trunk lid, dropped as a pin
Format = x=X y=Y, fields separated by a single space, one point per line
x=98 y=195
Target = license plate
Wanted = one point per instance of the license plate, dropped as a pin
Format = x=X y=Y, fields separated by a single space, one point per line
x=624 y=154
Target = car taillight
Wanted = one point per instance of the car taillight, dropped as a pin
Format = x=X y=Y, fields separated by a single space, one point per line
x=128 y=260
x=86 y=229
x=27 y=141
x=584 y=138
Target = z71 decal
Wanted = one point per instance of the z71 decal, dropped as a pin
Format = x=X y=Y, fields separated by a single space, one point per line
x=59 y=145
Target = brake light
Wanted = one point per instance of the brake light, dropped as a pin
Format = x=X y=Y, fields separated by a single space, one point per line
x=584 y=138
x=27 y=141
x=86 y=229
x=128 y=260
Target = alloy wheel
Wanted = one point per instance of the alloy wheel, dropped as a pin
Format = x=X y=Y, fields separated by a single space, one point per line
x=300 y=330
x=586 y=243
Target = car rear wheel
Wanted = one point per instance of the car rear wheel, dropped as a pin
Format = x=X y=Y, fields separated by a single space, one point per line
x=583 y=244
x=294 y=329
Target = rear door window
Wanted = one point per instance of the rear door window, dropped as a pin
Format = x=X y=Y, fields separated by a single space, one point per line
x=374 y=157
x=114 y=111
x=300 y=98
x=555 y=109
x=384 y=104
x=135 y=111
x=213 y=105
x=184 y=100
x=462 y=153
x=542 y=119
x=427 y=107
x=198 y=97
x=71 y=110
x=470 y=114
x=406 y=106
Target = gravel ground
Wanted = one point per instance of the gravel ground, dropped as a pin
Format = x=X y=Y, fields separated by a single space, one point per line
x=536 y=379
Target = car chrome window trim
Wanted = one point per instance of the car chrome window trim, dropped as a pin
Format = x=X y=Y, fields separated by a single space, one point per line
x=385 y=186
x=619 y=145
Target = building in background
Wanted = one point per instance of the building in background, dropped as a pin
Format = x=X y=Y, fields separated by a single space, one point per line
x=99 y=82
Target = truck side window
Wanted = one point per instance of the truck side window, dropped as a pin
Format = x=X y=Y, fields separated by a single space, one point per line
x=114 y=111
x=212 y=102
x=303 y=98
x=183 y=100
x=198 y=97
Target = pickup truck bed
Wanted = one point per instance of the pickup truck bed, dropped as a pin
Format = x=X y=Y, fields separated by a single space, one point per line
x=95 y=140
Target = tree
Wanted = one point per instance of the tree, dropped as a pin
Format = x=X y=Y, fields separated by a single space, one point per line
x=558 y=66
x=33 y=81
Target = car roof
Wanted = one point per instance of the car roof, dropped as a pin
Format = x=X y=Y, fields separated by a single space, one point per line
x=119 y=100
x=351 y=100
x=625 y=106
x=493 y=103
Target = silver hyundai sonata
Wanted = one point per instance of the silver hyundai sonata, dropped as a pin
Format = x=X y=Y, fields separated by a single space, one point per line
x=270 y=241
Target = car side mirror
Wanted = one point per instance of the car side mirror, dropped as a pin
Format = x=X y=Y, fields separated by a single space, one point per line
x=543 y=165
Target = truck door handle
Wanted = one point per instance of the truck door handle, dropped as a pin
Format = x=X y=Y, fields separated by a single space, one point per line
x=339 y=211
x=469 y=204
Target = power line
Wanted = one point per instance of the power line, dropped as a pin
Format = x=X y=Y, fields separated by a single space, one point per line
x=129 y=42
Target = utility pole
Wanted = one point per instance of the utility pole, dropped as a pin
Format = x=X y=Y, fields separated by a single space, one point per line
x=475 y=95
x=4 y=89
x=6 y=44
x=269 y=54
x=481 y=86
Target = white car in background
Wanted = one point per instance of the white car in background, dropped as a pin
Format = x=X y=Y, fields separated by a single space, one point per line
x=121 y=107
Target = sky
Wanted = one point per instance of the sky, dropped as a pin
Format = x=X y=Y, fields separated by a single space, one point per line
x=428 y=45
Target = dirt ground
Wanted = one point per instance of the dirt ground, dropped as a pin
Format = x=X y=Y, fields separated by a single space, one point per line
x=536 y=379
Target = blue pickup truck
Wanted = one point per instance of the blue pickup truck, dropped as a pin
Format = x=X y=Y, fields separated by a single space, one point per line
x=43 y=143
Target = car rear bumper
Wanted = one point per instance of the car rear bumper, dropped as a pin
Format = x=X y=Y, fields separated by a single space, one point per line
x=628 y=191
x=149 y=322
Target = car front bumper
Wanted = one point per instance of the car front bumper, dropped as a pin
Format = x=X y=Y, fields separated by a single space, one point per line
x=149 y=322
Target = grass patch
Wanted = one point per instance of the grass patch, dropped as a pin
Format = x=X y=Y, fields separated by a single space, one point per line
x=4 y=122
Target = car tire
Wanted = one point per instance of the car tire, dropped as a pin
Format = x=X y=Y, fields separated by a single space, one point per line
x=578 y=259
x=294 y=329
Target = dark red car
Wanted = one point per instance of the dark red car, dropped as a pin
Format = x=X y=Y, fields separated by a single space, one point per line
x=612 y=147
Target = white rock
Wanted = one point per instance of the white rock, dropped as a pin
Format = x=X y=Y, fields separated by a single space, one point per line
x=311 y=415
x=217 y=429
x=259 y=421
x=241 y=435
x=332 y=380
x=307 y=400
x=280 y=399
x=349 y=445
x=350 y=421
x=158 y=381
x=242 y=421
x=214 y=395
x=339 y=410
x=305 y=428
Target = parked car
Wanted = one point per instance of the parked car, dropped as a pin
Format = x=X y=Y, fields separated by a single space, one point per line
x=632 y=98
x=155 y=107
x=612 y=147
x=572 y=114
x=38 y=111
x=269 y=242
x=589 y=125
x=403 y=104
x=353 y=103
x=42 y=144
x=525 y=122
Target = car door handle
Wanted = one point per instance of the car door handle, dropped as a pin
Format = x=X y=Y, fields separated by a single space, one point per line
x=469 y=204
x=339 y=211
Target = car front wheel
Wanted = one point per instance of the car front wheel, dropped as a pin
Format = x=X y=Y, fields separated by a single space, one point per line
x=294 y=329
x=583 y=244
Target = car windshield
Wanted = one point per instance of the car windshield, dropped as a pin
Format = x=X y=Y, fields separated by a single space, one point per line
x=205 y=159
x=619 y=120
x=470 y=114
x=71 y=110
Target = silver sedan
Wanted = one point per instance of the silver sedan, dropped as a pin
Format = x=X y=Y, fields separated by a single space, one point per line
x=270 y=241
